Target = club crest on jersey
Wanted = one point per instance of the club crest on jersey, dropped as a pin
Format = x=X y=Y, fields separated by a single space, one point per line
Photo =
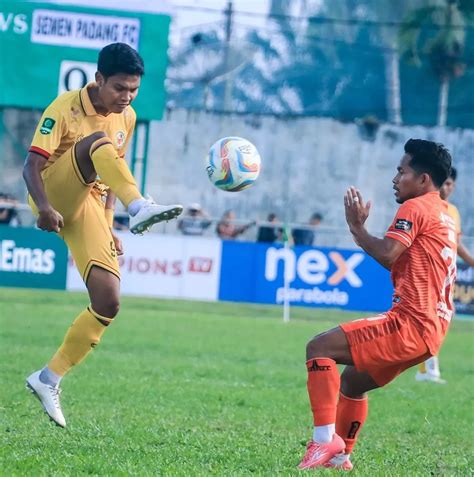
x=47 y=126
x=120 y=139
x=403 y=224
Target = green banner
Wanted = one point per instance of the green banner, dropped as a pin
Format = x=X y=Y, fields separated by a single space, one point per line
x=30 y=258
x=46 y=49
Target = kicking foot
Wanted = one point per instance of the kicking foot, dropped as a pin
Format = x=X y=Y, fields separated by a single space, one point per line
x=319 y=454
x=150 y=214
x=48 y=397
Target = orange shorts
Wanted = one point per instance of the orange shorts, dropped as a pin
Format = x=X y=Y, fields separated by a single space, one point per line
x=385 y=345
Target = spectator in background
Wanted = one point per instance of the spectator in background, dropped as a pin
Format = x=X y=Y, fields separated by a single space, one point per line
x=194 y=221
x=305 y=236
x=446 y=190
x=227 y=229
x=270 y=233
x=8 y=213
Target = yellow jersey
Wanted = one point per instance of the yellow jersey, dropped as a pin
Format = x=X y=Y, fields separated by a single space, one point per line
x=71 y=117
x=454 y=213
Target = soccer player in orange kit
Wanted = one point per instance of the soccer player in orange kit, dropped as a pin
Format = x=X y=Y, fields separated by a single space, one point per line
x=420 y=250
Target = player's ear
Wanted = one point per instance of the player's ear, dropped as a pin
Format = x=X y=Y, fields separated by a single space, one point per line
x=99 y=78
x=425 y=178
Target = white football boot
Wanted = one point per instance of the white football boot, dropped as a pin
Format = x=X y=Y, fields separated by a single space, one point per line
x=429 y=377
x=432 y=372
x=48 y=396
x=151 y=213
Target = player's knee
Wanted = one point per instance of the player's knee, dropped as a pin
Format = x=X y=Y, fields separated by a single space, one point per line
x=347 y=387
x=112 y=307
x=316 y=347
x=90 y=143
x=352 y=391
x=107 y=307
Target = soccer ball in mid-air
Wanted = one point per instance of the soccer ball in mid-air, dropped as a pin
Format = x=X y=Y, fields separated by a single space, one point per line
x=233 y=164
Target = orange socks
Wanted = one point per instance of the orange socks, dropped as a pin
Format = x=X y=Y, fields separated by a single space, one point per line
x=351 y=415
x=323 y=388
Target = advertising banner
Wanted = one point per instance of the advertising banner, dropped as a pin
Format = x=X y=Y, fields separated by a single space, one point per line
x=165 y=266
x=464 y=290
x=322 y=277
x=31 y=258
x=58 y=44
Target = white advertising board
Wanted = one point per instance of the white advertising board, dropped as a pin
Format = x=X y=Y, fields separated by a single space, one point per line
x=165 y=266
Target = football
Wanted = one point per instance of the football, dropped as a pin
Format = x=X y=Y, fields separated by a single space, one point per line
x=233 y=164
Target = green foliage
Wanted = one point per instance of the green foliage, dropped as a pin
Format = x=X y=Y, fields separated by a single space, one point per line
x=185 y=388
x=409 y=33
x=443 y=42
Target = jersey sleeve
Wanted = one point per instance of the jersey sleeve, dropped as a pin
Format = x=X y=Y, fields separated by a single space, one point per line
x=49 y=132
x=406 y=225
x=457 y=219
x=130 y=130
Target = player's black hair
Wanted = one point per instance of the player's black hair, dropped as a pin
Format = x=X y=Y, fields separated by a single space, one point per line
x=317 y=216
x=119 y=58
x=454 y=174
x=429 y=157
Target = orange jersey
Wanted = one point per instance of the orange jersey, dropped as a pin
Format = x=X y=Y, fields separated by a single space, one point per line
x=423 y=276
x=71 y=117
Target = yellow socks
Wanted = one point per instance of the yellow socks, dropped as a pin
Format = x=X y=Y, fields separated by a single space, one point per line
x=83 y=335
x=114 y=171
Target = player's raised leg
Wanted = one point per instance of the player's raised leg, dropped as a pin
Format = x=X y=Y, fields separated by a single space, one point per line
x=84 y=335
x=96 y=155
x=322 y=354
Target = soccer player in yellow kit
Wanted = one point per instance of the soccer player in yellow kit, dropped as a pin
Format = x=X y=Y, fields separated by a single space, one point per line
x=81 y=137
x=429 y=370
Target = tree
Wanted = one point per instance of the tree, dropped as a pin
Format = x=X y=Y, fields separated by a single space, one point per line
x=437 y=32
x=388 y=36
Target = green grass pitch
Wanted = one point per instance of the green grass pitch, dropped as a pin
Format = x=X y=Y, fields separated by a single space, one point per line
x=188 y=388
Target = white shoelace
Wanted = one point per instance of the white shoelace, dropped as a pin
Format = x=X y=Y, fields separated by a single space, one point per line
x=55 y=392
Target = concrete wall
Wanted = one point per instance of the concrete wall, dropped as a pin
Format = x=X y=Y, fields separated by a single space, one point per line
x=307 y=165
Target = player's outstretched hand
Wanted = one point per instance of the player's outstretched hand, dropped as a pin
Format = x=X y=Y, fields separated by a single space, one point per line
x=50 y=220
x=356 y=211
x=118 y=244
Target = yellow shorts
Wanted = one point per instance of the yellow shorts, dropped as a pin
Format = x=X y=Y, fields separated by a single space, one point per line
x=85 y=231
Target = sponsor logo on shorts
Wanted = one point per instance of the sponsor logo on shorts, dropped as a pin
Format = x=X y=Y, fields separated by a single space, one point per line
x=47 y=126
x=403 y=224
